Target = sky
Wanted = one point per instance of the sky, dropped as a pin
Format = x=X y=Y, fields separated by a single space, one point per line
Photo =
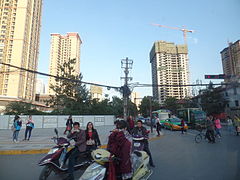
x=112 y=30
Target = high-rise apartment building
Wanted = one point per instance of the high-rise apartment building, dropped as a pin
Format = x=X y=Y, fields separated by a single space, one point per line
x=135 y=98
x=63 y=48
x=169 y=67
x=231 y=60
x=20 y=22
x=96 y=92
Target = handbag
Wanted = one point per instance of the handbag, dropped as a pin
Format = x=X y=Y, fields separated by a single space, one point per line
x=90 y=142
x=13 y=128
x=68 y=128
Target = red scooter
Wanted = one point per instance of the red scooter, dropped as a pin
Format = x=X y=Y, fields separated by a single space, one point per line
x=56 y=158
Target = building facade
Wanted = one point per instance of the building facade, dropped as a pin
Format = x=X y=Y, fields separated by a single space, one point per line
x=96 y=92
x=63 y=48
x=231 y=61
x=169 y=67
x=135 y=98
x=40 y=87
x=20 y=22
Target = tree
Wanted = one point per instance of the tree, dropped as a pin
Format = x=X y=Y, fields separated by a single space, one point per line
x=188 y=103
x=171 y=103
x=71 y=96
x=144 y=108
x=213 y=102
x=117 y=105
x=17 y=108
x=101 y=107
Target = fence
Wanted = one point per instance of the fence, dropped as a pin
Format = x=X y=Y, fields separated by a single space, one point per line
x=6 y=121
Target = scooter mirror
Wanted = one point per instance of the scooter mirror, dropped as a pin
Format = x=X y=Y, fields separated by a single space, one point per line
x=56 y=131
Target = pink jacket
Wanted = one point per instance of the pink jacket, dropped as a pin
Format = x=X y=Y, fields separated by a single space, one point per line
x=217 y=123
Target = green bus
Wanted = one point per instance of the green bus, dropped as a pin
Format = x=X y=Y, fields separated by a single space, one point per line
x=192 y=116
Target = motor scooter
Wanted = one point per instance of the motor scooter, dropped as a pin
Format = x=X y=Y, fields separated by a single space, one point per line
x=99 y=169
x=57 y=158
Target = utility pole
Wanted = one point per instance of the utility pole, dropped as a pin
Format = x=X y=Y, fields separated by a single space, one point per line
x=150 y=112
x=126 y=64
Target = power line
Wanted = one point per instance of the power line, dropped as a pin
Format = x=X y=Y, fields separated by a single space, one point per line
x=179 y=85
x=58 y=77
x=114 y=87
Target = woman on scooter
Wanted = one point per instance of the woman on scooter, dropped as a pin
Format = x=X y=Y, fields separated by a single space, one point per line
x=92 y=138
x=119 y=145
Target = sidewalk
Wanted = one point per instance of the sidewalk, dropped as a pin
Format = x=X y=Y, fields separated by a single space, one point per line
x=40 y=141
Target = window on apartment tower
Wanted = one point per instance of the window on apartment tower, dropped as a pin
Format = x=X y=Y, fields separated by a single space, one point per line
x=235 y=91
x=237 y=103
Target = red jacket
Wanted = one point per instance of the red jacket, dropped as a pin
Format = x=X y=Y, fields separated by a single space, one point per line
x=120 y=146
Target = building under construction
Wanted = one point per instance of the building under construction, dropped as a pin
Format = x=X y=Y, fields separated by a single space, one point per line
x=169 y=67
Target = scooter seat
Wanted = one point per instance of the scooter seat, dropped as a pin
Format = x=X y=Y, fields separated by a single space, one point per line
x=139 y=154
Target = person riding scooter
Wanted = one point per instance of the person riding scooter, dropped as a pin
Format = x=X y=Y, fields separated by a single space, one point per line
x=119 y=145
x=79 y=137
x=142 y=131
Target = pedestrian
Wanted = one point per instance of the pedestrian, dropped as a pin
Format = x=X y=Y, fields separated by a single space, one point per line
x=142 y=131
x=210 y=129
x=218 y=126
x=130 y=123
x=92 y=138
x=29 y=127
x=17 y=124
x=230 y=125
x=79 y=137
x=158 y=126
x=237 y=124
x=182 y=125
x=69 y=124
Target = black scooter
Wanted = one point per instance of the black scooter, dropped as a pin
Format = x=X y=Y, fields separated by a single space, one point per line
x=56 y=158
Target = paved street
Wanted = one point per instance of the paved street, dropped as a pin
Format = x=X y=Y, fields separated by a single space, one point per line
x=176 y=156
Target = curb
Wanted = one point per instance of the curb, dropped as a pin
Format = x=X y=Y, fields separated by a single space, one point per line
x=44 y=151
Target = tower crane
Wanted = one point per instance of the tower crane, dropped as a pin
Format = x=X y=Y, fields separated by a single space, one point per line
x=185 y=31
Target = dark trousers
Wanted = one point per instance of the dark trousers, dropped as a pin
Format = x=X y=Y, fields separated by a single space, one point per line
x=182 y=129
x=158 y=129
x=237 y=130
x=28 y=130
x=147 y=150
x=72 y=160
x=210 y=136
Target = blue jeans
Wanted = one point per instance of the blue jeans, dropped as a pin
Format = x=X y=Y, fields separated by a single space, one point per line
x=15 y=135
x=218 y=132
x=28 y=129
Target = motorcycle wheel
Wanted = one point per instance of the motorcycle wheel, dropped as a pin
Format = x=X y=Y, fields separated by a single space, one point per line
x=46 y=171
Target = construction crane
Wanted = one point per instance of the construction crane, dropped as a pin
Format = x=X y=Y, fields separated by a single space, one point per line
x=185 y=31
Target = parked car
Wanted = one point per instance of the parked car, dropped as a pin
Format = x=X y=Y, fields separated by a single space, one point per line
x=174 y=124
x=142 y=119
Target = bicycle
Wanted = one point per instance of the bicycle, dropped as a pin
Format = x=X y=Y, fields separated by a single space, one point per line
x=199 y=136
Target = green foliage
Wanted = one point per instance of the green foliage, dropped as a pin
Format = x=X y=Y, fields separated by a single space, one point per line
x=144 y=108
x=171 y=103
x=71 y=97
x=213 y=101
x=188 y=103
x=22 y=108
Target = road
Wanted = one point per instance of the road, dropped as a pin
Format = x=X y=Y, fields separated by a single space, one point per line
x=176 y=156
